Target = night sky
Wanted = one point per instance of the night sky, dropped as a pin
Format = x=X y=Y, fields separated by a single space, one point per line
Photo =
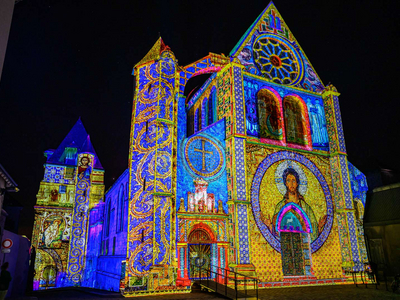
x=71 y=59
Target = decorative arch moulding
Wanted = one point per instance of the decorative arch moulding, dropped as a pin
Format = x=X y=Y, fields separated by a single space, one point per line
x=303 y=162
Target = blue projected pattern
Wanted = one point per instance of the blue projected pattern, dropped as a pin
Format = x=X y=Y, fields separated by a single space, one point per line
x=244 y=249
x=359 y=186
x=76 y=260
x=204 y=156
x=56 y=174
x=150 y=166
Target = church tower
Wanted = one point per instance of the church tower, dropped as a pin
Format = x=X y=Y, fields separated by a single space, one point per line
x=248 y=173
x=73 y=183
x=150 y=245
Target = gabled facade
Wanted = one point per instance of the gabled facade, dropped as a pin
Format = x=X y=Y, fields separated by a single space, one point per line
x=73 y=183
x=250 y=172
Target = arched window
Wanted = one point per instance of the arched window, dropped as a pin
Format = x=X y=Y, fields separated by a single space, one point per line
x=190 y=122
x=120 y=213
x=210 y=110
x=296 y=121
x=197 y=121
x=199 y=235
x=204 y=113
x=108 y=213
x=269 y=115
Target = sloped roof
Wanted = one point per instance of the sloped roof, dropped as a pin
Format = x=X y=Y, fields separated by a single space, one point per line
x=383 y=206
x=154 y=53
x=77 y=138
x=10 y=183
x=270 y=24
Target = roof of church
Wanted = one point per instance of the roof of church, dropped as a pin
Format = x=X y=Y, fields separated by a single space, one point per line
x=269 y=25
x=77 y=138
x=154 y=53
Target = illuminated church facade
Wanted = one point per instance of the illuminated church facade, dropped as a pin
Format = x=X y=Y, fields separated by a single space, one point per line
x=248 y=173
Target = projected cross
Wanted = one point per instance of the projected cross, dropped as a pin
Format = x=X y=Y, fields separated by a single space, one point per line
x=203 y=152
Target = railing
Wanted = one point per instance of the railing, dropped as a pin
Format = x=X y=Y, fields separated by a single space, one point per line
x=229 y=283
x=367 y=278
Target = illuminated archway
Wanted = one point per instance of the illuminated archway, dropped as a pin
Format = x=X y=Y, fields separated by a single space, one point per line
x=297 y=124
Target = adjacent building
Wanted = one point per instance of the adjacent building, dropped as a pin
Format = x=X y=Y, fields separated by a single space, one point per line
x=72 y=184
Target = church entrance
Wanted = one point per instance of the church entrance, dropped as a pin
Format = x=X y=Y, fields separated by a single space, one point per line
x=200 y=260
x=199 y=253
x=48 y=278
x=292 y=254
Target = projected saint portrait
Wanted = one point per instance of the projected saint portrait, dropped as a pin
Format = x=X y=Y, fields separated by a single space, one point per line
x=84 y=168
x=293 y=212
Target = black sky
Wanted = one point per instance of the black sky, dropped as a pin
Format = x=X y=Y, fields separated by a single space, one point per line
x=74 y=58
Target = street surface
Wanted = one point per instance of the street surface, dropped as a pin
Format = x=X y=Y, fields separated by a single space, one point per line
x=341 y=292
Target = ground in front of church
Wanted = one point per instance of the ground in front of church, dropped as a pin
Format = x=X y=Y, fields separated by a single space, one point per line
x=342 y=292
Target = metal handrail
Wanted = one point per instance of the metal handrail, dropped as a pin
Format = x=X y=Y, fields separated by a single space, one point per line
x=254 y=278
x=226 y=279
x=365 y=278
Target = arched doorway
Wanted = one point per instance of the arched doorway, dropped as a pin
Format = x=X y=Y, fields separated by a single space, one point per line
x=200 y=252
x=294 y=228
x=48 y=277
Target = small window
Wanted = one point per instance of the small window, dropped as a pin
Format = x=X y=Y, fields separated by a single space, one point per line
x=113 y=249
x=62 y=189
x=295 y=121
x=210 y=111
x=204 y=112
x=197 y=121
x=120 y=213
x=108 y=213
x=69 y=173
x=269 y=115
x=190 y=122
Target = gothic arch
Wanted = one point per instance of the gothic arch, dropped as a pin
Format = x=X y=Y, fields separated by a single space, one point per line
x=270 y=114
x=204 y=112
x=297 y=123
x=120 y=213
x=202 y=228
x=298 y=213
x=211 y=109
x=197 y=120
x=108 y=217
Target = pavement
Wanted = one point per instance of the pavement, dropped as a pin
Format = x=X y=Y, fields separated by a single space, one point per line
x=341 y=292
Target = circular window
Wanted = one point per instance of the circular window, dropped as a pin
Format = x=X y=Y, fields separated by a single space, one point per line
x=277 y=59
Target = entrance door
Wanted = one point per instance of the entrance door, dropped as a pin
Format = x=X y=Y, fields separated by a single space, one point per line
x=199 y=259
x=48 y=278
x=292 y=254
